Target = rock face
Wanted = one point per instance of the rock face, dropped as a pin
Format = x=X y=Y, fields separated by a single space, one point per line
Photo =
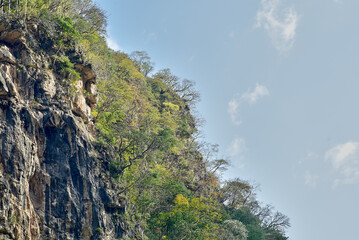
x=51 y=182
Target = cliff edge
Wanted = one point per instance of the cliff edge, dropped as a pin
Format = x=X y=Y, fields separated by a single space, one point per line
x=51 y=184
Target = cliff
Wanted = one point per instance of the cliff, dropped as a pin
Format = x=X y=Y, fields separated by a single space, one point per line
x=95 y=145
x=51 y=183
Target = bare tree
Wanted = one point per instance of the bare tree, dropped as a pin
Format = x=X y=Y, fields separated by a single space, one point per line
x=90 y=12
x=277 y=221
x=238 y=193
x=142 y=62
x=270 y=220
x=184 y=88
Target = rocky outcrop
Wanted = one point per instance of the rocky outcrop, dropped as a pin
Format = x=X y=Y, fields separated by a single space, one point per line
x=51 y=182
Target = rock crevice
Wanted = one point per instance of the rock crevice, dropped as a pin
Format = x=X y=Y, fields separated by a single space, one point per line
x=51 y=183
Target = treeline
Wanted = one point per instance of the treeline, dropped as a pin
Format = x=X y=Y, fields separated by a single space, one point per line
x=147 y=137
x=170 y=179
x=86 y=15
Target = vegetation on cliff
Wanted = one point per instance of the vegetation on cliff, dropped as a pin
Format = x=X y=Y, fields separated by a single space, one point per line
x=146 y=136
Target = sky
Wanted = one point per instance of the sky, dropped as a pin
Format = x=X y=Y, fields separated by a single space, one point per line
x=279 y=93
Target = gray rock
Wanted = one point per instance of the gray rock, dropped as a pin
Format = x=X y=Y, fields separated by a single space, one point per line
x=6 y=55
x=52 y=186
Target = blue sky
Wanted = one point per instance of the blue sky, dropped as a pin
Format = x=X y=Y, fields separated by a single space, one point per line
x=279 y=90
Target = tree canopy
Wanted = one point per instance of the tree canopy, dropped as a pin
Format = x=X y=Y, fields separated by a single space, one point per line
x=146 y=136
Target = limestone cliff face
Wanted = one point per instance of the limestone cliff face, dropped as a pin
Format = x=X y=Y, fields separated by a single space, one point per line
x=51 y=182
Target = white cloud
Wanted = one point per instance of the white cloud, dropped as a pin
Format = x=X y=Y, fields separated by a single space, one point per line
x=237 y=147
x=341 y=153
x=258 y=92
x=236 y=151
x=345 y=162
x=249 y=97
x=233 y=106
x=112 y=44
x=281 y=29
x=310 y=179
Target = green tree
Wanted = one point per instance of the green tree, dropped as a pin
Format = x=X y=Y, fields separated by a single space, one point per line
x=238 y=193
x=234 y=230
x=142 y=62
x=190 y=218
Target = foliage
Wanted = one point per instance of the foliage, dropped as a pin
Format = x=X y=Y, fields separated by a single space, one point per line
x=142 y=62
x=173 y=190
x=66 y=25
x=235 y=230
x=189 y=218
x=65 y=67
x=238 y=193
x=146 y=135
